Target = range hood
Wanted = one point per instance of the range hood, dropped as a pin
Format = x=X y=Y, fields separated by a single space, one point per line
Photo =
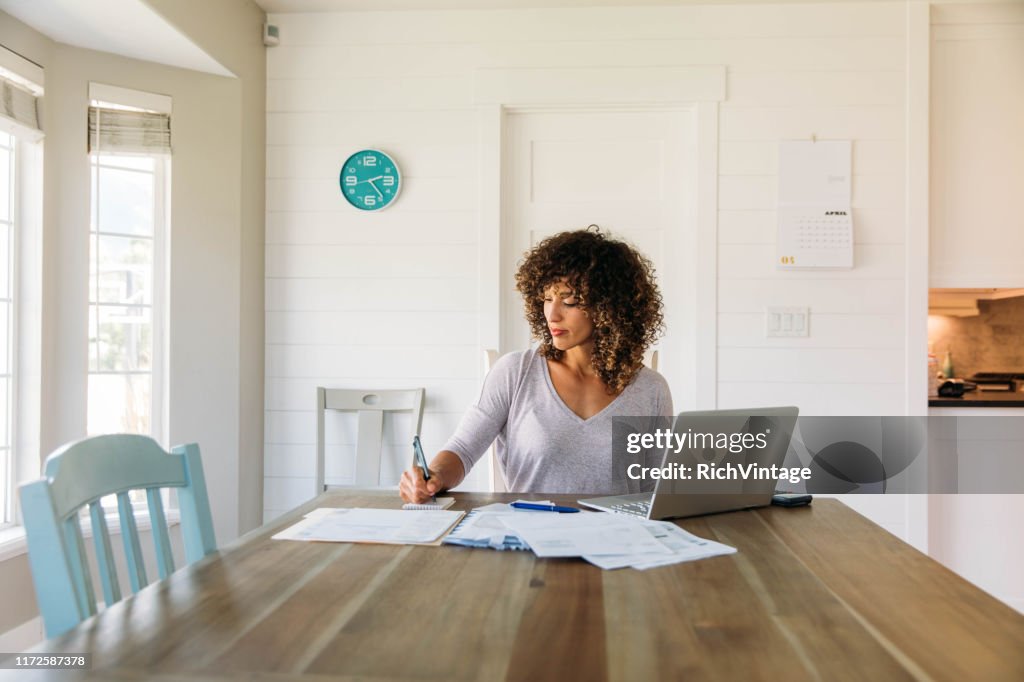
x=964 y=302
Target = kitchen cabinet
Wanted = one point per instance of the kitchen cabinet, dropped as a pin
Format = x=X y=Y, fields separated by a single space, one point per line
x=977 y=145
x=978 y=536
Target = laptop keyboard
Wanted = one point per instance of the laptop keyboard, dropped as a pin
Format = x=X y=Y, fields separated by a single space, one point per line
x=641 y=508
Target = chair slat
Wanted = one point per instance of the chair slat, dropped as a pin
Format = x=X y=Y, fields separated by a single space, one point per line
x=80 y=574
x=321 y=403
x=104 y=555
x=368 y=444
x=161 y=541
x=389 y=400
x=132 y=548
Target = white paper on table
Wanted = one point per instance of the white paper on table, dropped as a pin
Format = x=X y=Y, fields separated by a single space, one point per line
x=569 y=535
x=487 y=523
x=586 y=519
x=494 y=507
x=321 y=511
x=684 y=546
x=483 y=527
x=393 y=526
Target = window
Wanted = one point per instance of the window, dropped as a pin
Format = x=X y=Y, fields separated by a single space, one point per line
x=8 y=166
x=126 y=293
x=129 y=151
x=129 y=156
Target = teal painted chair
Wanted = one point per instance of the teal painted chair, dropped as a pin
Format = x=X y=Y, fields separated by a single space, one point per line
x=79 y=474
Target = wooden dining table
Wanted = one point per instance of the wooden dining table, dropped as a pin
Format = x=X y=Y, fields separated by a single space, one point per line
x=813 y=593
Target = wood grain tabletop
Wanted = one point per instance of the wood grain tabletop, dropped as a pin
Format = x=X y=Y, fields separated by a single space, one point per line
x=814 y=593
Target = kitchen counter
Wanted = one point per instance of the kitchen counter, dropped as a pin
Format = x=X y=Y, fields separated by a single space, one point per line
x=981 y=399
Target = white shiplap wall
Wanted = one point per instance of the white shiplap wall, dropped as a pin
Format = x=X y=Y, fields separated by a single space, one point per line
x=392 y=299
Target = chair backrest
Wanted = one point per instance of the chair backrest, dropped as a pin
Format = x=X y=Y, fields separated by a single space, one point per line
x=497 y=474
x=651 y=359
x=81 y=473
x=370 y=405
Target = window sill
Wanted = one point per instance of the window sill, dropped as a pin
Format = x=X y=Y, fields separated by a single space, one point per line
x=13 y=543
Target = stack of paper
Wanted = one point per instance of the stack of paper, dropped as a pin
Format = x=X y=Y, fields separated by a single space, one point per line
x=588 y=533
x=390 y=526
x=683 y=546
x=484 y=527
x=606 y=540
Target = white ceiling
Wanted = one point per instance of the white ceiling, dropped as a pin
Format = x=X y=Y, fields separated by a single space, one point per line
x=130 y=28
x=293 y=6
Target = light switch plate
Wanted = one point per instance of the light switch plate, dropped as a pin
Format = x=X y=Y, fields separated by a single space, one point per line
x=787 y=321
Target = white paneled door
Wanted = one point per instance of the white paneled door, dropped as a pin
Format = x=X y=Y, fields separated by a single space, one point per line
x=630 y=172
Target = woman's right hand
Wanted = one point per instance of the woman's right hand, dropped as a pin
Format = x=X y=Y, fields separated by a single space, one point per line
x=415 y=490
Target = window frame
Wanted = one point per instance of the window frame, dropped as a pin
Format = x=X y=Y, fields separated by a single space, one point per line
x=26 y=459
x=9 y=516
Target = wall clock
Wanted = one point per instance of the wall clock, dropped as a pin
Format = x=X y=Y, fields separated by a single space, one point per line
x=370 y=180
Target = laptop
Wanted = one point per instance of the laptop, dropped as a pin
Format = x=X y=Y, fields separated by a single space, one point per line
x=675 y=498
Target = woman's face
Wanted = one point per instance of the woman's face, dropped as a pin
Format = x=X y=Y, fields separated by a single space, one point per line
x=567 y=322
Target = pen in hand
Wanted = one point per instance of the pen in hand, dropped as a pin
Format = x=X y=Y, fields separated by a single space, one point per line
x=421 y=460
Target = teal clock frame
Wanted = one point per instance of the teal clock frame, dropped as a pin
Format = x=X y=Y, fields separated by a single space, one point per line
x=370 y=180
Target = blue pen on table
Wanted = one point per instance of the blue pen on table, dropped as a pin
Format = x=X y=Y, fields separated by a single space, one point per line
x=544 y=507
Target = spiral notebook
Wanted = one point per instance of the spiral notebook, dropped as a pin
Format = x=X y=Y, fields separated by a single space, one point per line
x=483 y=528
x=439 y=503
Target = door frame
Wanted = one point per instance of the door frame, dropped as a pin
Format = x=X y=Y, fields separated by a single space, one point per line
x=697 y=90
x=918 y=511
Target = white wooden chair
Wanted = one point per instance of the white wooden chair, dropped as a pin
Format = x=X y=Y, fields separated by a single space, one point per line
x=370 y=406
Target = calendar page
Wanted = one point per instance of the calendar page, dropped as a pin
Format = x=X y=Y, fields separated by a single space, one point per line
x=815 y=220
x=815 y=237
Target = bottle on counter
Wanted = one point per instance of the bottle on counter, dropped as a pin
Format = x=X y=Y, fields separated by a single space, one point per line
x=947 y=365
x=933 y=374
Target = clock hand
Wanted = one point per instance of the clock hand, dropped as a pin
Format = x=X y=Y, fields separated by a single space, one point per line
x=375 y=187
x=370 y=179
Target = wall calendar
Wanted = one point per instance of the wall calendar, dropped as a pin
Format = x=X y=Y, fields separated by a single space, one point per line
x=815 y=221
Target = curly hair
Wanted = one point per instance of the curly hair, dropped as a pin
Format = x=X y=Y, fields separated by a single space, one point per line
x=616 y=288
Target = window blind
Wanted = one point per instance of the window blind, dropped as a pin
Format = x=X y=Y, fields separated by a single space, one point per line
x=19 y=105
x=124 y=131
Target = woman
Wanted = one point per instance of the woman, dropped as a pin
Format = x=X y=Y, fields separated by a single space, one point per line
x=595 y=307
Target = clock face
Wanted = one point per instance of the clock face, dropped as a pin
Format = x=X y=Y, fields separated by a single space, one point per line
x=370 y=180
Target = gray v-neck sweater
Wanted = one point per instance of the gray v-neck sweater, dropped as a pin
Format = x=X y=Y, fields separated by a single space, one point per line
x=543 y=446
